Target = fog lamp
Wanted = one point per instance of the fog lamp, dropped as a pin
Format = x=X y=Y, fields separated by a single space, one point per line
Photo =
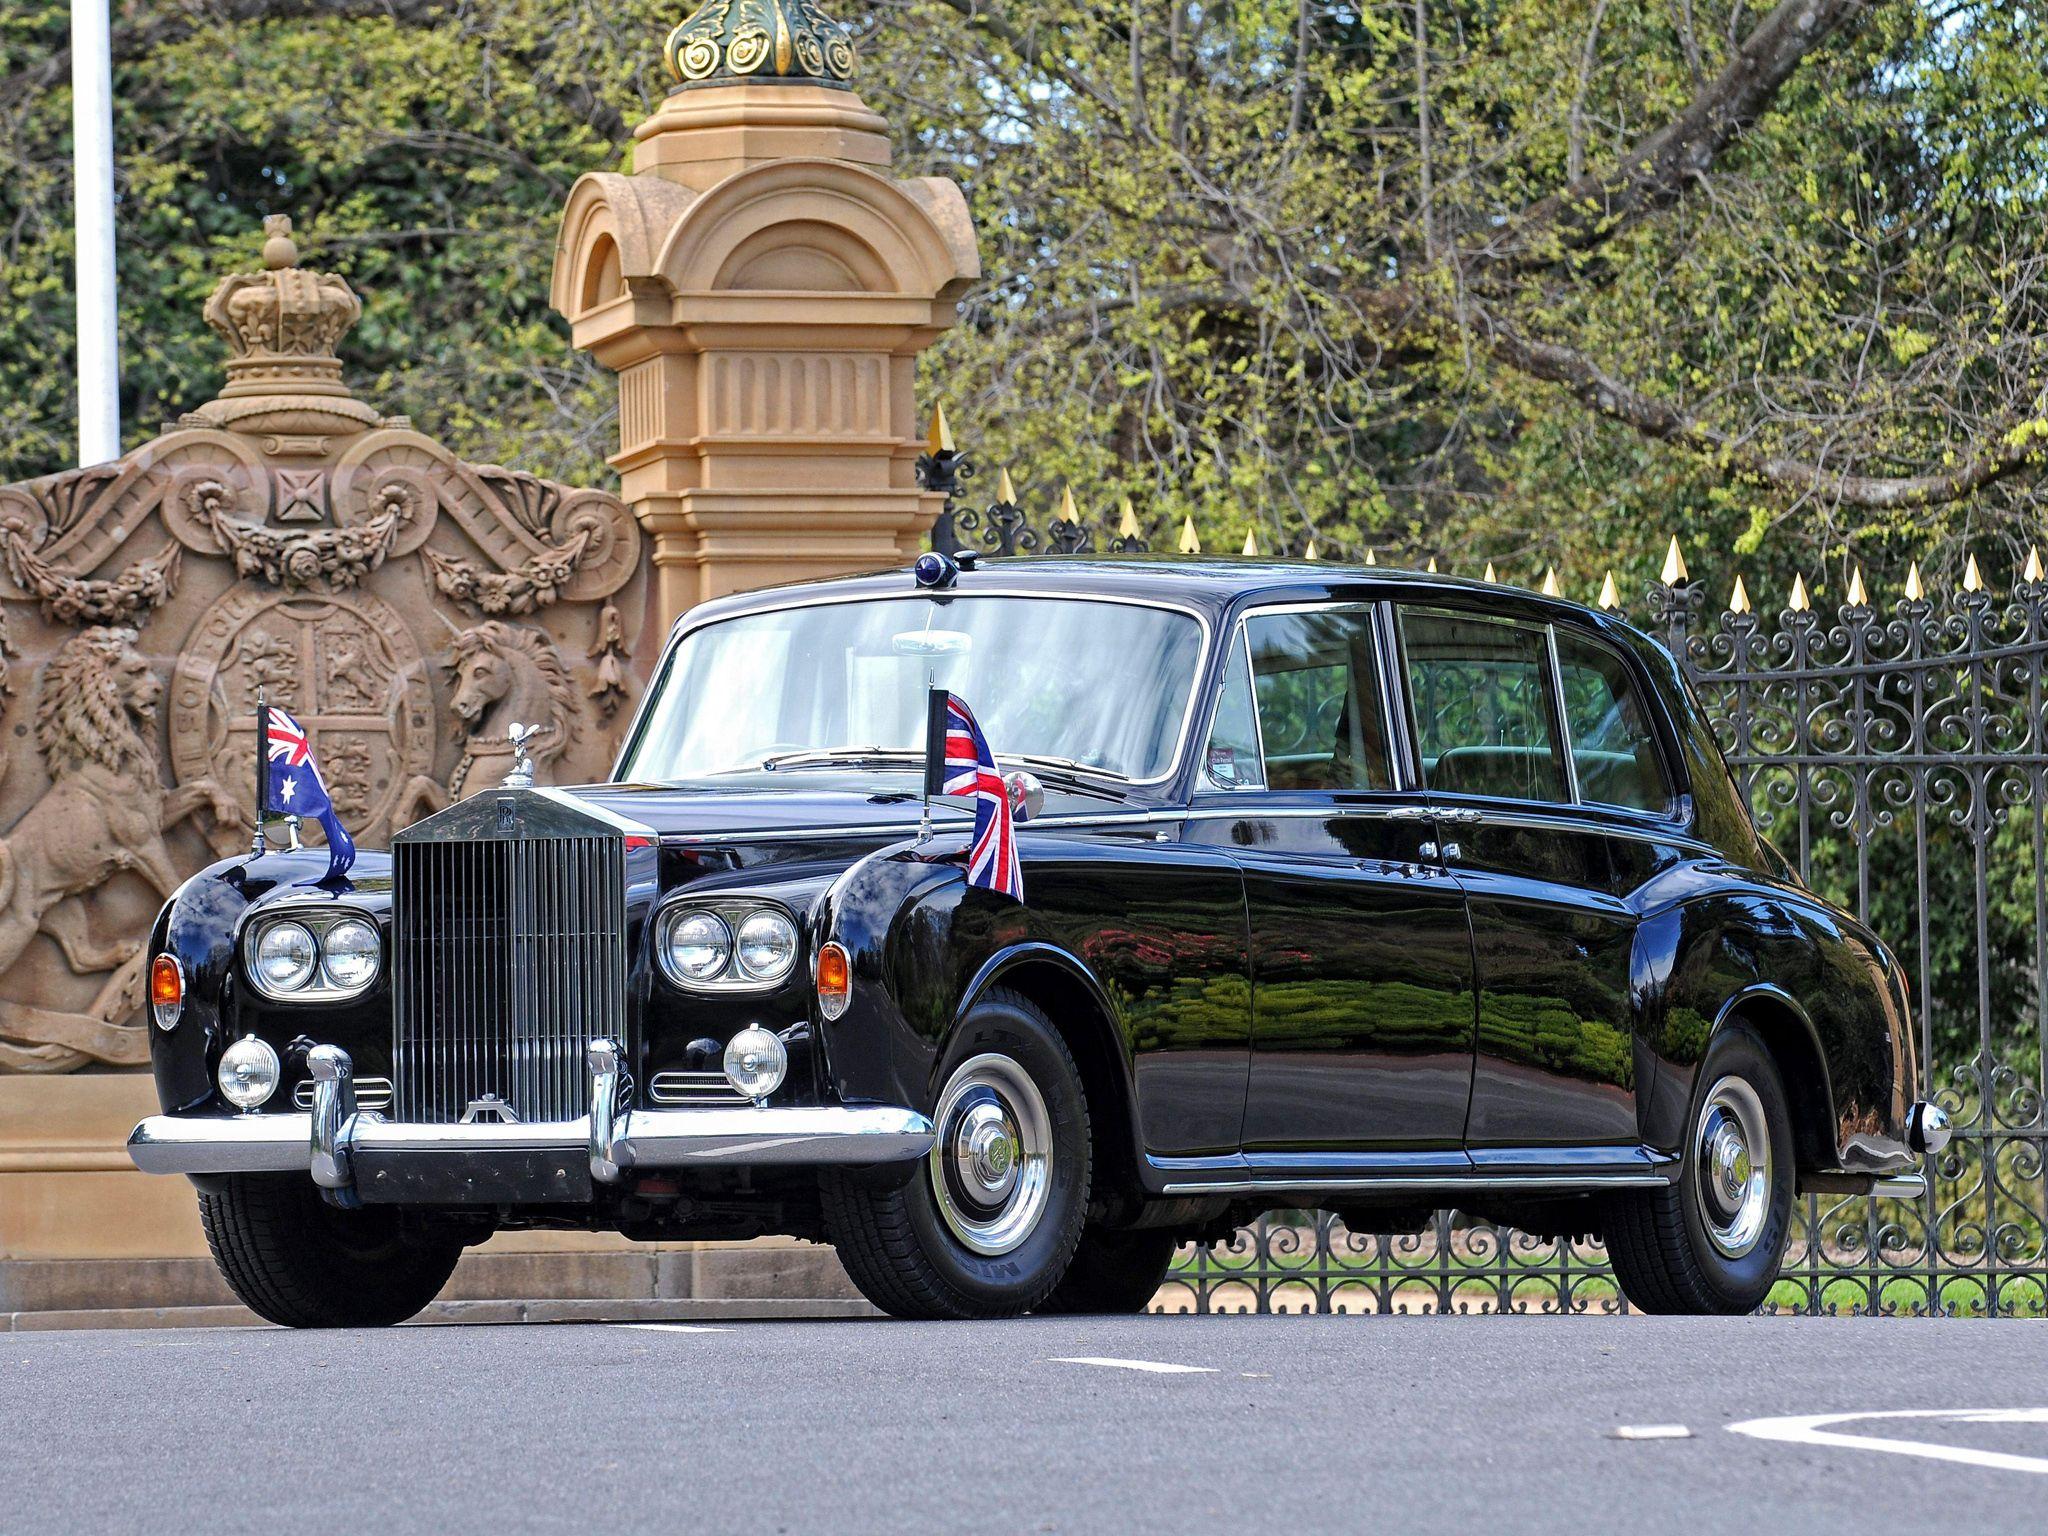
x=166 y=990
x=755 y=1062
x=248 y=1073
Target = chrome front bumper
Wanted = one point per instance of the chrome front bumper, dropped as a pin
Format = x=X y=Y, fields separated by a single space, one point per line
x=335 y=1139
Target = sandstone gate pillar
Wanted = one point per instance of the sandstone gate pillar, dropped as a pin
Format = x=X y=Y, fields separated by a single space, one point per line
x=763 y=288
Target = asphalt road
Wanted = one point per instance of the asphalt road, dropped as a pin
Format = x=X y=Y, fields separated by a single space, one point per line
x=1287 y=1424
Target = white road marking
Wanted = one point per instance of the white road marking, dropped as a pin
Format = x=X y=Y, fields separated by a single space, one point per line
x=1158 y=1367
x=1651 y=1432
x=1812 y=1429
x=674 y=1327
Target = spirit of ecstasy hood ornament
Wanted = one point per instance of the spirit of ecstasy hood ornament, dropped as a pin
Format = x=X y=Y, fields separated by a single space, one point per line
x=521 y=776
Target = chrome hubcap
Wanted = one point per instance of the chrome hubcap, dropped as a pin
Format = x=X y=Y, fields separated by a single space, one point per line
x=991 y=1161
x=1732 y=1166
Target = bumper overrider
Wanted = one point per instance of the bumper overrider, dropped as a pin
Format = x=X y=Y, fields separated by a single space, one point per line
x=360 y=1155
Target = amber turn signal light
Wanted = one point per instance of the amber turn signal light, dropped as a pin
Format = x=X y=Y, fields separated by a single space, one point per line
x=835 y=980
x=166 y=990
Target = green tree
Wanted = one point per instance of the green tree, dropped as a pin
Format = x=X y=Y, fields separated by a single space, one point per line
x=1527 y=280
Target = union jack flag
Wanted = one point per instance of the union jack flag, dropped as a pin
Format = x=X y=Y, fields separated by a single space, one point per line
x=970 y=769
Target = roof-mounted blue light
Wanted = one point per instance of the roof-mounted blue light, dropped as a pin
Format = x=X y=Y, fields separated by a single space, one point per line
x=935 y=570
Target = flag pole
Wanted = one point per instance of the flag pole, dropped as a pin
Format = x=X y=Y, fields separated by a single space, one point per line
x=92 y=134
x=257 y=849
x=934 y=754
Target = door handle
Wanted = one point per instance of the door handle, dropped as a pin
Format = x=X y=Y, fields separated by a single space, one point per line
x=1411 y=813
x=1463 y=815
x=1448 y=852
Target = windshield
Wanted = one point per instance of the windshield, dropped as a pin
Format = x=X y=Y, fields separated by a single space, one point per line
x=1103 y=685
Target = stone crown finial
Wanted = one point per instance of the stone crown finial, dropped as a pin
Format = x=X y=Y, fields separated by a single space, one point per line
x=282 y=325
x=740 y=41
x=284 y=322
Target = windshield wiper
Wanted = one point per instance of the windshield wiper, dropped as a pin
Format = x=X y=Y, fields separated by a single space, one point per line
x=852 y=756
x=1075 y=775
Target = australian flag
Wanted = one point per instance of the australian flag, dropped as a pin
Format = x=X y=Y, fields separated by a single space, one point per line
x=969 y=768
x=292 y=785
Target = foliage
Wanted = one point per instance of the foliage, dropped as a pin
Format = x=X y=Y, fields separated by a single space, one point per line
x=1522 y=280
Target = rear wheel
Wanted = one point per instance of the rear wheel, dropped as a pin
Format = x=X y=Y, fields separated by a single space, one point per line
x=1713 y=1241
x=1113 y=1272
x=987 y=1226
x=296 y=1260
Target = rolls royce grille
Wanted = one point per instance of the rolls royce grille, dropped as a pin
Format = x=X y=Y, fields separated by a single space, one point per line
x=508 y=959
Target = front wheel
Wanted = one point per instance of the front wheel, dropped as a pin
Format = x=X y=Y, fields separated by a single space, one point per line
x=296 y=1260
x=988 y=1225
x=1713 y=1241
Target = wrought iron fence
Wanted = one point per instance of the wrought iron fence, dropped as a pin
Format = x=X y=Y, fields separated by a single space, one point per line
x=1900 y=759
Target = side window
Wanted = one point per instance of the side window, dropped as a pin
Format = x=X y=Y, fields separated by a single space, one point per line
x=1614 y=751
x=1316 y=687
x=1485 y=718
x=1232 y=758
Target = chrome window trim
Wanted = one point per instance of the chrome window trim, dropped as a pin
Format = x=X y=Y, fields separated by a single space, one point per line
x=314 y=916
x=732 y=910
x=1564 y=721
x=686 y=628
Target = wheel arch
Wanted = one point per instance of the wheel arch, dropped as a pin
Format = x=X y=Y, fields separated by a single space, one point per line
x=1074 y=999
x=1788 y=1033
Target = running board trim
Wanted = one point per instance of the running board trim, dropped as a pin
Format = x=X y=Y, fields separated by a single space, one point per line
x=1423 y=1184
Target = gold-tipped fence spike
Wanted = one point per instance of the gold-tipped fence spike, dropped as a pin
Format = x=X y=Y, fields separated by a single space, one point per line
x=1858 y=598
x=1551 y=586
x=1801 y=603
x=1489 y=572
x=1069 y=513
x=2033 y=571
x=1127 y=521
x=1674 y=565
x=1610 y=594
x=1370 y=557
x=940 y=438
x=1973 y=579
x=1916 y=589
x=1432 y=565
x=1310 y=552
x=1005 y=491
x=1190 y=541
x=1738 y=600
x=1251 y=542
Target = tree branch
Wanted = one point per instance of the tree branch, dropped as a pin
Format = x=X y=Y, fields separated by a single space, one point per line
x=1592 y=207
x=2018 y=446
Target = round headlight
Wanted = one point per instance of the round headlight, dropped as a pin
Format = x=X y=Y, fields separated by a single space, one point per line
x=767 y=945
x=349 y=952
x=699 y=945
x=248 y=1072
x=755 y=1062
x=286 y=957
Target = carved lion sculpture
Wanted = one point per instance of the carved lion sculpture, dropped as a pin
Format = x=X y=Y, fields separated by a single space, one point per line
x=105 y=812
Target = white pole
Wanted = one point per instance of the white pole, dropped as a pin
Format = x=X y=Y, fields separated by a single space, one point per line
x=92 y=130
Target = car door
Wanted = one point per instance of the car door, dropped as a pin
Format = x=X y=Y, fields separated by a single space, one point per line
x=1554 y=1061
x=1360 y=951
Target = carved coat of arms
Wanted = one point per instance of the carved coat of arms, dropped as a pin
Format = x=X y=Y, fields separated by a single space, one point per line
x=406 y=606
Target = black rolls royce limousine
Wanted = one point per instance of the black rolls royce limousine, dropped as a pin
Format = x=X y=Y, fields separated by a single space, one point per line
x=1346 y=889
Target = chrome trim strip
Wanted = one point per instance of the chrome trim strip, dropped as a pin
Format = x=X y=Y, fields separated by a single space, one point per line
x=630 y=742
x=833 y=1135
x=1900 y=1186
x=1646 y=1178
